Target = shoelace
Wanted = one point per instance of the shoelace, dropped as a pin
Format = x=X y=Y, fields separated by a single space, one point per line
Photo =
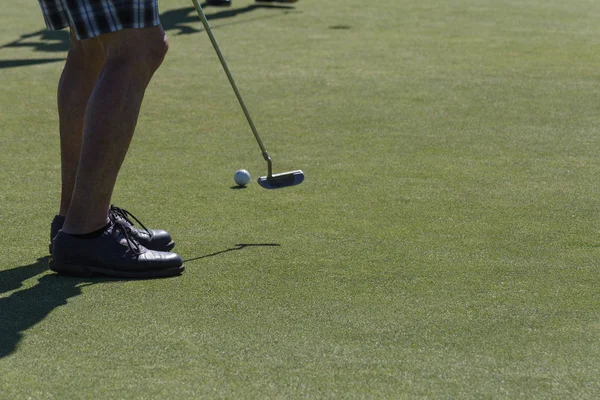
x=133 y=245
x=117 y=212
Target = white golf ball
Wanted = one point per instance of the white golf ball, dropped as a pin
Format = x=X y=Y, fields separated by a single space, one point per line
x=241 y=177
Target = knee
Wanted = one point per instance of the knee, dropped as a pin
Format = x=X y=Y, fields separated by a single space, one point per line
x=150 y=56
x=156 y=52
x=143 y=53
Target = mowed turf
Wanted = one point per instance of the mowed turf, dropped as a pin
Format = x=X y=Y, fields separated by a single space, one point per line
x=443 y=245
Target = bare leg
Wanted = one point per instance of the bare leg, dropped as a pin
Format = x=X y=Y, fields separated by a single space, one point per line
x=131 y=58
x=74 y=89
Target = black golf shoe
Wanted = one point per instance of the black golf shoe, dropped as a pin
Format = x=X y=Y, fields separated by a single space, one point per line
x=153 y=239
x=113 y=253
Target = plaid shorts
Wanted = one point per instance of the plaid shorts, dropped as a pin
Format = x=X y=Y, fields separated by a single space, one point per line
x=90 y=18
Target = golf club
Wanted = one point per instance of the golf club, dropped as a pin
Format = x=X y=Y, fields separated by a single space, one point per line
x=269 y=181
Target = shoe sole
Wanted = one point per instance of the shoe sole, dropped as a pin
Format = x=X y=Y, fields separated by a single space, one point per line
x=88 y=271
x=167 y=247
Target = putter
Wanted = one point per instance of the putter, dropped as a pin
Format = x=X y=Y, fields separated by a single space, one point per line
x=270 y=181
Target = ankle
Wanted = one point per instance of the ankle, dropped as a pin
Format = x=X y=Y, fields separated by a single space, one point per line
x=90 y=235
x=82 y=228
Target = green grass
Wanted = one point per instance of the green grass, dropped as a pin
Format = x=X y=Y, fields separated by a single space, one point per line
x=443 y=245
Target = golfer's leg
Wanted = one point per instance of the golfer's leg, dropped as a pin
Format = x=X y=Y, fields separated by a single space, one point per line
x=74 y=89
x=131 y=58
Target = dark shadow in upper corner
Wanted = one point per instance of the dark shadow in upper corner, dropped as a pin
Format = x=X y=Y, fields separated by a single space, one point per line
x=181 y=18
x=184 y=21
x=42 y=40
x=26 y=308
x=25 y=63
x=236 y=247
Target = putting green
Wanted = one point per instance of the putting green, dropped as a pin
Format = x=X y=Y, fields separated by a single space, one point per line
x=444 y=243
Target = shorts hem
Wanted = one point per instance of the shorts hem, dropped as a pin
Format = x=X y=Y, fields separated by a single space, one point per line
x=92 y=18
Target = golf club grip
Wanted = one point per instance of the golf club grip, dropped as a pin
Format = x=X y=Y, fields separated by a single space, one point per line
x=215 y=45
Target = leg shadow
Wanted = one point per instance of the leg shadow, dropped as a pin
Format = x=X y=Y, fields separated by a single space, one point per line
x=13 y=278
x=26 y=308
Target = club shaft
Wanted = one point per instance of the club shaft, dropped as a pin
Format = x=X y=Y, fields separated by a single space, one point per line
x=213 y=40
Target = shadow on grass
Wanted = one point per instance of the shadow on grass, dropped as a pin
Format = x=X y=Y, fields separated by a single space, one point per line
x=177 y=19
x=25 y=308
x=25 y=63
x=182 y=21
x=235 y=248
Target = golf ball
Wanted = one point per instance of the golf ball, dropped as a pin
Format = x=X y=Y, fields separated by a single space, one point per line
x=241 y=177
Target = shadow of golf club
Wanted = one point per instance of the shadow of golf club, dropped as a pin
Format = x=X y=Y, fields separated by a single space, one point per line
x=235 y=248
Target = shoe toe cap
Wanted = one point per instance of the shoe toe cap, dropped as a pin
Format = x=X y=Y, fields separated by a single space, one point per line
x=155 y=239
x=160 y=238
x=161 y=259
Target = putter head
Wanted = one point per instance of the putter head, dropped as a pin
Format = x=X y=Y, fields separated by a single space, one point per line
x=284 y=179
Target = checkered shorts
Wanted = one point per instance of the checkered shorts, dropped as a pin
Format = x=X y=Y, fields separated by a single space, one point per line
x=90 y=18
